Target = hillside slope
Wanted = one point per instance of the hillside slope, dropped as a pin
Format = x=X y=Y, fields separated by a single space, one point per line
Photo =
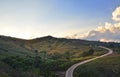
x=104 y=67
x=10 y=46
x=45 y=56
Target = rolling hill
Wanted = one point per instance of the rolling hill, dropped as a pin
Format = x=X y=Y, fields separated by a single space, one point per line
x=49 y=44
x=45 y=56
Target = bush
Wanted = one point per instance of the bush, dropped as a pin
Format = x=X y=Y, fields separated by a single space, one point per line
x=88 y=53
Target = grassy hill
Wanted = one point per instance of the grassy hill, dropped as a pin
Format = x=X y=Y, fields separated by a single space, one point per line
x=10 y=46
x=45 y=56
x=51 y=44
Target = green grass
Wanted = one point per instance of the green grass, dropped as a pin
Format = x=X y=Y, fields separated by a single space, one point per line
x=104 y=67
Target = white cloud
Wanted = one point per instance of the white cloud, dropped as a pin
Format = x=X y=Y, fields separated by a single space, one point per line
x=108 y=32
x=116 y=14
x=108 y=40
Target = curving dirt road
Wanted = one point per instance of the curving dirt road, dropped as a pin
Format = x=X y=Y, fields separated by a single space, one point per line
x=69 y=72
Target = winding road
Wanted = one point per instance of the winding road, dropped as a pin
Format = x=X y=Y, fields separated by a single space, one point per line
x=69 y=72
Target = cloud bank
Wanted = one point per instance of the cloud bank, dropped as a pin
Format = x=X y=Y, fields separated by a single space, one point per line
x=109 y=32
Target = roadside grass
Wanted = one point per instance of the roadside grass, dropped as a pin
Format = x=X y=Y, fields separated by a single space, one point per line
x=105 y=67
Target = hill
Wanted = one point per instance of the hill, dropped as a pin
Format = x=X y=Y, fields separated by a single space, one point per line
x=45 y=56
x=12 y=46
x=49 y=44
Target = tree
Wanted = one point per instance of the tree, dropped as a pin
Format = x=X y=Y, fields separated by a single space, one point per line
x=88 y=53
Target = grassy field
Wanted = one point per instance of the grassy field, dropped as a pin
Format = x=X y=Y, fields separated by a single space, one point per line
x=105 y=67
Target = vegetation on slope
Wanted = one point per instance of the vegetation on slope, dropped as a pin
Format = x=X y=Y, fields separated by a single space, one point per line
x=108 y=66
x=104 y=67
x=13 y=46
x=44 y=56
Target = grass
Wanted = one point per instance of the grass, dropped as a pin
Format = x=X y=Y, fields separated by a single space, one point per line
x=56 y=54
x=104 y=67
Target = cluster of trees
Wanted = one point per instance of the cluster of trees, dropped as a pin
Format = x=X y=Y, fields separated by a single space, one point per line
x=35 y=64
x=23 y=64
x=41 y=64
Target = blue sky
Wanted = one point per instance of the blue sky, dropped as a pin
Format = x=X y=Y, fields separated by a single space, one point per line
x=60 y=18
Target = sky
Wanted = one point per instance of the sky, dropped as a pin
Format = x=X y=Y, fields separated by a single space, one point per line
x=29 y=19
